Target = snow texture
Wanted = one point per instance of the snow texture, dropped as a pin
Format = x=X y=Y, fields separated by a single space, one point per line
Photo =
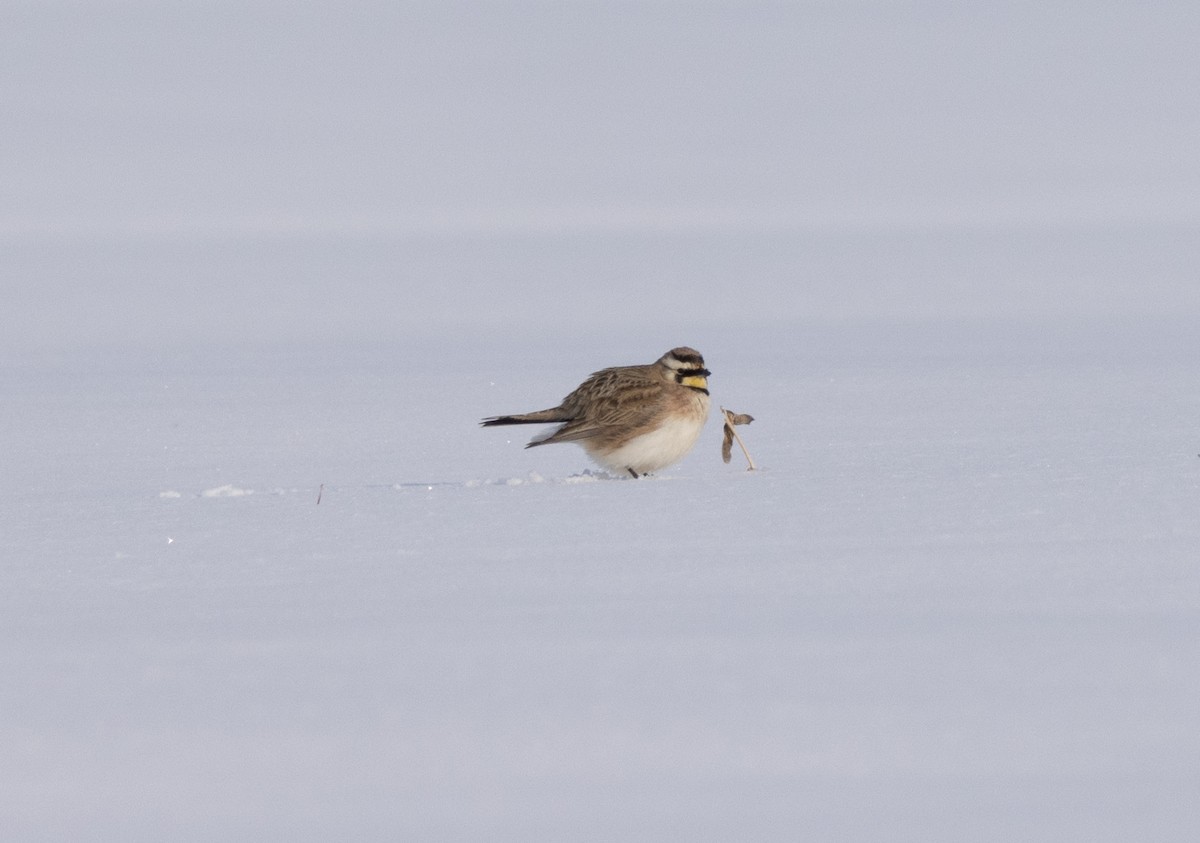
x=265 y=268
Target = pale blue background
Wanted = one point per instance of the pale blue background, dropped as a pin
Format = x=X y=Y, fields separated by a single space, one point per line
x=199 y=171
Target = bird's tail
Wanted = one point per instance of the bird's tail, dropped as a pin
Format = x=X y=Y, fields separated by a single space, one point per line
x=540 y=417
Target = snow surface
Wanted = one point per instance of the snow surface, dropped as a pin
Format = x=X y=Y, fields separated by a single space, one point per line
x=264 y=269
x=959 y=601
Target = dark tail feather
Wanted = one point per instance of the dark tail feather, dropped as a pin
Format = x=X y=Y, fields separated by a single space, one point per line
x=540 y=417
x=497 y=421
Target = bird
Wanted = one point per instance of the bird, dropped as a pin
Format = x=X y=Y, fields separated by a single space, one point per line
x=637 y=419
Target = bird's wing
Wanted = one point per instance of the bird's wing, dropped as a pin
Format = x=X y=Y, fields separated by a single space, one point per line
x=611 y=399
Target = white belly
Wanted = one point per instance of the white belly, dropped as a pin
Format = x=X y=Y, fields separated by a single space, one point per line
x=652 y=451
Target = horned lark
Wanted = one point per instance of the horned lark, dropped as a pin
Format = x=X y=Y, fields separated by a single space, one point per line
x=630 y=418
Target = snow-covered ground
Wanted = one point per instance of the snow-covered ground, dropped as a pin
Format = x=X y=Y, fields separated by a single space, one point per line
x=958 y=601
x=264 y=270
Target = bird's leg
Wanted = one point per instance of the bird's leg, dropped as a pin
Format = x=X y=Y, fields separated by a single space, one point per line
x=631 y=471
